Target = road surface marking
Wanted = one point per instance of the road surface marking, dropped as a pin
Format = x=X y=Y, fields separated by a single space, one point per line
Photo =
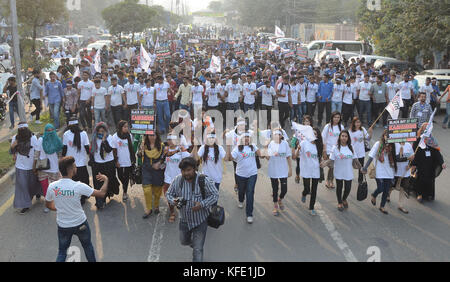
x=6 y=205
x=345 y=249
x=155 y=247
x=98 y=237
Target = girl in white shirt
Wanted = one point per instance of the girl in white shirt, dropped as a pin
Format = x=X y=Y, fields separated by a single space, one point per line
x=279 y=169
x=295 y=141
x=405 y=154
x=359 y=135
x=342 y=157
x=310 y=153
x=383 y=154
x=330 y=136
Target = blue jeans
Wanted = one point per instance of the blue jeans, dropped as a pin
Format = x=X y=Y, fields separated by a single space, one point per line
x=163 y=115
x=365 y=107
x=296 y=111
x=232 y=106
x=54 y=113
x=246 y=186
x=147 y=107
x=336 y=106
x=65 y=238
x=447 y=116
x=248 y=107
x=195 y=238
x=99 y=115
x=185 y=107
x=13 y=107
x=383 y=186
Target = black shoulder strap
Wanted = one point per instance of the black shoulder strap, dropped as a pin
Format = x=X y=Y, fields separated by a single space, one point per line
x=201 y=184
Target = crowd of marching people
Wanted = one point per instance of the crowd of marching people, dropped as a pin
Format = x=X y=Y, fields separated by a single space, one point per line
x=301 y=139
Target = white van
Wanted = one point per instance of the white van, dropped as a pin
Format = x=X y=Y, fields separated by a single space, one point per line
x=358 y=47
x=57 y=43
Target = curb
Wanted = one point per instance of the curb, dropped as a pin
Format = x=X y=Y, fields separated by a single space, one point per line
x=9 y=178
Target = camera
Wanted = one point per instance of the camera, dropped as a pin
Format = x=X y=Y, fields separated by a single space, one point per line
x=180 y=202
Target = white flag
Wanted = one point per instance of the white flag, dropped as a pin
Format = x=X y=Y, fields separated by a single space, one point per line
x=272 y=46
x=97 y=62
x=76 y=74
x=215 y=65
x=157 y=43
x=305 y=131
x=144 y=59
x=317 y=60
x=278 y=32
x=394 y=106
x=427 y=132
x=339 y=55
x=178 y=31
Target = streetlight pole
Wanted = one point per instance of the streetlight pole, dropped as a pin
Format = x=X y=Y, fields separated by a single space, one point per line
x=18 y=65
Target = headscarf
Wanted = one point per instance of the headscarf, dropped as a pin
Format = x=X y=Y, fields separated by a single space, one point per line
x=23 y=138
x=51 y=143
x=94 y=139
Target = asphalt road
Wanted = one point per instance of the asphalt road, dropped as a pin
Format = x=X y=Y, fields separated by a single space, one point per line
x=360 y=234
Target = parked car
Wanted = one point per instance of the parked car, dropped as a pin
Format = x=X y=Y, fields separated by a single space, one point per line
x=369 y=58
x=436 y=72
x=331 y=54
x=392 y=63
x=358 y=47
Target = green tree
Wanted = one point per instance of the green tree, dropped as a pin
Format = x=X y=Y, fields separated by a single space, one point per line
x=404 y=28
x=33 y=14
x=128 y=16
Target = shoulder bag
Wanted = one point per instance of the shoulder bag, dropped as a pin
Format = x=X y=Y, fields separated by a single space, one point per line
x=216 y=216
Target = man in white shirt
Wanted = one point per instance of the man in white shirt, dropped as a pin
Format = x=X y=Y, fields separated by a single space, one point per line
x=249 y=91
x=212 y=94
x=267 y=94
x=131 y=97
x=233 y=92
x=116 y=92
x=407 y=91
x=392 y=87
x=197 y=94
x=311 y=96
x=364 y=96
x=427 y=89
x=147 y=96
x=162 y=104
x=63 y=196
x=100 y=102
x=85 y=88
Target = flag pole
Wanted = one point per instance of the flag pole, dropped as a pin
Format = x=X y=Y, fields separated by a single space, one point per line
x=375 y=122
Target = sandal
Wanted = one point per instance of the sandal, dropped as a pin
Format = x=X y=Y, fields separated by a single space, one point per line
x=383 y=211
x=373 y=201
x=172 y=218
x=147 y=215
x=281 y=205
x=419 y=199
x=275 y=211
x=403 y=210
x=340 y=208
x=156 y=211
x=345 y=203
x=297 y=179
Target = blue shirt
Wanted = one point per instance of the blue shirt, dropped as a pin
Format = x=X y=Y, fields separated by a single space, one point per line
x=436 y=92
x=54 y=92
x=36 y=88
x=325 y=90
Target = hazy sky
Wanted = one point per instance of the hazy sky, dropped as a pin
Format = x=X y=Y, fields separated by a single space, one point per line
x=194 y=5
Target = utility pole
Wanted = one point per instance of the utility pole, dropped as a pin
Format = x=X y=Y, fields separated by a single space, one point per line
x=18 y=65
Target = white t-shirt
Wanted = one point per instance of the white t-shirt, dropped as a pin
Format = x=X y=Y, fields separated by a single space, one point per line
x=116 y=95
x=383 y=169
x=197 y=95
x=302 y=91
x=405 y=89
x=294 y=94
x=278 y=164
x=132 y=93
x=24 y=162
x=364 y=89
x=172 y=162
x=267 y=95
x=348 y=94
x=343 y=160
x=123 y=154
x=99 y=97
x=148 y=96
x=392 y=89
x=161 y=91
x=213 y=96
x=246 y=161
x=309 y=160
x=284 y=91
x=210 y=168
x=428 y=90
x=234 y=92
x=249 y=99
x=67 y=194
x=86 y=88
x=79 y=156
x=357 y=138
x=338 y=91
x=408 y=151
x=53 y=158
x=108 y=156
x=312 y=92
x=330 y=136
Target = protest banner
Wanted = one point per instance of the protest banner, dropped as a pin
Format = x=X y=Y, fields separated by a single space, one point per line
x=402 y=130
x=163 y=53
x=142 y=122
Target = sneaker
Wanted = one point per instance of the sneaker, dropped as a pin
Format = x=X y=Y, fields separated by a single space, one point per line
x=125 y=197
x=250 y=219
x=38 y=122
x=11 y=127
x=313 y=212
x=23 y=211
x=240 y=205
x=297 y=179
x=46 y=210
x=303 y=199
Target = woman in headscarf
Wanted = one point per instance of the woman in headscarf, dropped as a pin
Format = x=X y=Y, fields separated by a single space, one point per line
x=124 y=155
x=23 y=146
x=151 y=153
x=49 y=147
x=427 y=165
x=102 y=161
x=76 y=144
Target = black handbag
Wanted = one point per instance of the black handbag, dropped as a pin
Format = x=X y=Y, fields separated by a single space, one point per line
x=258 y=162
x=216 y=216
x=362 y=192
x=137 y=174
x=42 y=164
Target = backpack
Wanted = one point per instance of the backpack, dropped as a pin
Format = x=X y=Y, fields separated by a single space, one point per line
x=216 y=216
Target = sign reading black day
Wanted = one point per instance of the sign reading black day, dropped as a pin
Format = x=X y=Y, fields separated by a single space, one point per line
x=402 y=130
x=142 y=122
